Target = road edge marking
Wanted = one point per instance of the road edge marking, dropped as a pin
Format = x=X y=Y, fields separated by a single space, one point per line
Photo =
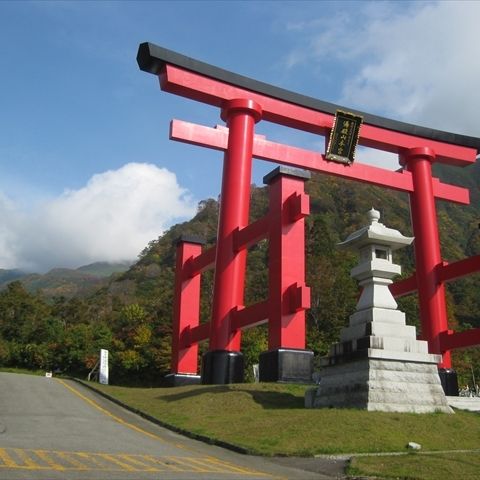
x=152 y=435
x=114 y=417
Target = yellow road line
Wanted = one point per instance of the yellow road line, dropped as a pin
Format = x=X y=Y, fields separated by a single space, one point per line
x=239 y=469
x=156 y=437
x=133 y=459
x=164 y=463
x=186 y=465
x=67 y=456
x=104 y=462
x=44 y=455
x=29 y=463
x=111 y=415
x=6 y=459
x=205 y=463
x=116 y=461
x=92 y=457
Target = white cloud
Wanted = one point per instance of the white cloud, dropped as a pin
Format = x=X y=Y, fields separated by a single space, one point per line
x=12 y=222
x=112 y=218
x=417 y=62
x=422 y=67
x=378 y=158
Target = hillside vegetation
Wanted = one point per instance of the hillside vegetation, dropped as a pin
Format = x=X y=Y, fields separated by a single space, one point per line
x=65 y=282
x=132 y=314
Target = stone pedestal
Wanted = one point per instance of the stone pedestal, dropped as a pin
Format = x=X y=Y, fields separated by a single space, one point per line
x=449 y=380
x=379 y=364
x=180 y=379
x=286 y=365
x=386 y=370
x=221 y=367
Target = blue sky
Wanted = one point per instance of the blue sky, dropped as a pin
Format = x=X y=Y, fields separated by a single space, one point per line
x=86 y=168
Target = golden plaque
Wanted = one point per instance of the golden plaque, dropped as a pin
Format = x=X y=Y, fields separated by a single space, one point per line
x=344 y=137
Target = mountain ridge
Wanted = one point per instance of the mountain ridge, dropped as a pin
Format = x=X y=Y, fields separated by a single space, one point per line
x=67 y=282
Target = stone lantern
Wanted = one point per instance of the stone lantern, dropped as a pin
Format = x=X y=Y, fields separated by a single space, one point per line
x=376 y=269
x=378 y=364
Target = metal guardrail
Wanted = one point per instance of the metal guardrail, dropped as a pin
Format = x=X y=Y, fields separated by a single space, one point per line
x=469 y=392
x=94 y=373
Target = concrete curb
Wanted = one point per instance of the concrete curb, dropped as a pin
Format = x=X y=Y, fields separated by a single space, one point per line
x=173 y=428
x=349 y=456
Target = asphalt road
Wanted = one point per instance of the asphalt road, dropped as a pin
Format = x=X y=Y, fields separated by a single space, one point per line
x=56 y=429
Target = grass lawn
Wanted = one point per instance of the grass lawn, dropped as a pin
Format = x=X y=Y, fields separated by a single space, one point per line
x=419 y=467
x=270 y=419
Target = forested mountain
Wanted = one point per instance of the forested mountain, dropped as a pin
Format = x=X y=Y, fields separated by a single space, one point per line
x=132 y=315
x=65 y=282
x=7 y=275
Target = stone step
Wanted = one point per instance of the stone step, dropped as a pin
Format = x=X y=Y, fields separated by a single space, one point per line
x=465 y=403
x=382 y=402
x=413 y=392
x=378 y=329
x=396 y=344
x=391 y=347
x=393 y=317
x=379 y=377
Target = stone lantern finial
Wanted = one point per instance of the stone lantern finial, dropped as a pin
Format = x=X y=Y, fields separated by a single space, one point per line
x=373 y=216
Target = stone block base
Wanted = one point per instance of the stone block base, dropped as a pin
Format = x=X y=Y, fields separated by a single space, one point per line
x=386 y=385
x=449 y=380
x=286 y=365
x=179 y=379
x=221 y=367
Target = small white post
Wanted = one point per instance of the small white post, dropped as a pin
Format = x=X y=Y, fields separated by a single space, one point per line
x=103 y=378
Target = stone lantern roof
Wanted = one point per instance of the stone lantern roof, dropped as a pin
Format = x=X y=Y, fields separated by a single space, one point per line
x=376 y=233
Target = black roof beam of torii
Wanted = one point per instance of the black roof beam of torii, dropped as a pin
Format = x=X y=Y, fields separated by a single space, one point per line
x=152 y=58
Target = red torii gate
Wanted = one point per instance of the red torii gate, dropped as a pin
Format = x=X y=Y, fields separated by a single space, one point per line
x=244 y=102
x=284 y=309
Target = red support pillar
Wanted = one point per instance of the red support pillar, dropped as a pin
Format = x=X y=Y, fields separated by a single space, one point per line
x=288 y=207
x=224 y=362
x=431 y=292
x=287 y=359
x=186 y=313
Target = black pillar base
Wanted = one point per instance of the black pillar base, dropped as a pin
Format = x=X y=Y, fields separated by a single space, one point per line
x=220 y=367
x=179 y=379
x=449 y=380
x=286 y=365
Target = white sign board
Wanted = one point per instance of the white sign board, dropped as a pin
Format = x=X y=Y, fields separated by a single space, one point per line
x=104 y=366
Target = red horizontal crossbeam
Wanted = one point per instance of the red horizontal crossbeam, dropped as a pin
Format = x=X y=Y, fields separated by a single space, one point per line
x=192 y=85
x=307 y=159
x=462 y=268
x=200 y=264
x=190 y=336
x=298 y=297
x=251 y=234
x=468 y=338
x=404 y=287
x=250 y=316
x=298 y=206
x=445 y=273
x=241 y=319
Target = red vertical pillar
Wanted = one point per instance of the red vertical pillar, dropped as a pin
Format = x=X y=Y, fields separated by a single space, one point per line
x=431 y=292
x=288 y=207
x=224 y=363
x=186 y=313
x=287 y=359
